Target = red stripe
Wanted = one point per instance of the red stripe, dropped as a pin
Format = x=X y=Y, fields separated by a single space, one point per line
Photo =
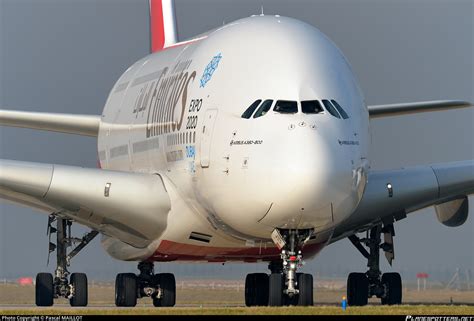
x=157 y=30
x=172 y=251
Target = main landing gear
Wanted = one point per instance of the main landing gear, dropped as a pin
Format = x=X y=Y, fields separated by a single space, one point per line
x=387 y=286
x=284 y=286
x=48 y=287
x=160 y=287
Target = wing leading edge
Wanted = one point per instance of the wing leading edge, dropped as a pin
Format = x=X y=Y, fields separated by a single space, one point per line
x=86 y=125
x=131 y=207
x=378 y=111
x=445 y=186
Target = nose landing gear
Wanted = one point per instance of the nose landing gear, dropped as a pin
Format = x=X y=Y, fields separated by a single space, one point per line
x=387 y=286
x=284 y=286
x=289 y=287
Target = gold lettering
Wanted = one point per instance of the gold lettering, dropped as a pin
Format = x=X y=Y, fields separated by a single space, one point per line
x=184 y=99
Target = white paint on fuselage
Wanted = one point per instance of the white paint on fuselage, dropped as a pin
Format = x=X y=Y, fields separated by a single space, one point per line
x=297 y=175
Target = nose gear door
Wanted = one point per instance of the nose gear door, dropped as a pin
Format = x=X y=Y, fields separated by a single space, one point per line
x=206 y=136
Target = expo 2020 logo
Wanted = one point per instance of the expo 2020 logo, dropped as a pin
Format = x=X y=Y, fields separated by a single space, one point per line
x=209 y=70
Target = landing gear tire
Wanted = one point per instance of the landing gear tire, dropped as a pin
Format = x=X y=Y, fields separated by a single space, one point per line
x=63 y=285
x=387 y=286
x=44 y=290
x=357 y=289
x=167 y=284
x=79 y=283
x=275 y=289
x=256 y=289
x=305 y=287
x=393 y=283
x=126 y=290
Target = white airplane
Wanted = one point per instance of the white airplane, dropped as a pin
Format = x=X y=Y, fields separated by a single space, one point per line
x=247 y=143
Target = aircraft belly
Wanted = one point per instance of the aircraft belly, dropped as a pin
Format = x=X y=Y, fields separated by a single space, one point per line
x=167 y=251
x=173 y=251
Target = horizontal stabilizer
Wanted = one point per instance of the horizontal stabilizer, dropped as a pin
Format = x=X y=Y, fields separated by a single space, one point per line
x=418 y=107
x=86 y=125
x=131 y=207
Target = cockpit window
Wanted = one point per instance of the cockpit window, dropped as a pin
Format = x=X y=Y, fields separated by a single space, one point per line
x=311 y=107
x=339 y=109
x=248 y=113
x=264 y=108
x=286 y=107
x=331 y=108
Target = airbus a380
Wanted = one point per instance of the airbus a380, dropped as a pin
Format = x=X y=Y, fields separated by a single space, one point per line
x=231 y=147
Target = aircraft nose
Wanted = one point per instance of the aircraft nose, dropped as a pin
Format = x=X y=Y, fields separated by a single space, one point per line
x=312 y=176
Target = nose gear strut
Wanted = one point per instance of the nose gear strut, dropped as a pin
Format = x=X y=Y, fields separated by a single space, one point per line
x=290 y=243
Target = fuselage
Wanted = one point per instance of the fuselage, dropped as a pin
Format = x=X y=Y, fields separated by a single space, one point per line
x=232 y=179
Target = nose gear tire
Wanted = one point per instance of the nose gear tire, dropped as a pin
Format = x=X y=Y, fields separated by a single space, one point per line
x=305 y=286
x=256 y=289
x=276 y=286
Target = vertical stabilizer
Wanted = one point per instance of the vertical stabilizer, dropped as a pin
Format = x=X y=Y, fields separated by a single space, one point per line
x=163 y=28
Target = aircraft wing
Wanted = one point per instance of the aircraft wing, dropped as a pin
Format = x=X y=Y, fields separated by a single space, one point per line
x=391 y=194
x=131 y=207
x=377 y=111
x=86 y=125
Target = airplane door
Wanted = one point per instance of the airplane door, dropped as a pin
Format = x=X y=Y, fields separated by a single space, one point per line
x=207 y=129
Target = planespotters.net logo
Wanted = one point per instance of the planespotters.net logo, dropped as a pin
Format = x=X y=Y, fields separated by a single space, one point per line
x=439 y=318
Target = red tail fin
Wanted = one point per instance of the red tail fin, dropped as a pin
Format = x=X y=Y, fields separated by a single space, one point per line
x=162 y=24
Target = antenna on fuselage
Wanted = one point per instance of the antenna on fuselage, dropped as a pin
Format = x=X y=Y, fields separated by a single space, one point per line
x=261 y=13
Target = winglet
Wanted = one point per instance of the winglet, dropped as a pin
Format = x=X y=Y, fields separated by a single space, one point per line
x=163 y=30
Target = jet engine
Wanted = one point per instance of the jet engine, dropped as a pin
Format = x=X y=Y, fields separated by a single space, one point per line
x=453 y=213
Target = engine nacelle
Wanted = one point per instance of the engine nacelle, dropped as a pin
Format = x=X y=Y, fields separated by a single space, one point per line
x=453 y=213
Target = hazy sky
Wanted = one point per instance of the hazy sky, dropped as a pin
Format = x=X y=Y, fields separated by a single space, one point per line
x=64 y=56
